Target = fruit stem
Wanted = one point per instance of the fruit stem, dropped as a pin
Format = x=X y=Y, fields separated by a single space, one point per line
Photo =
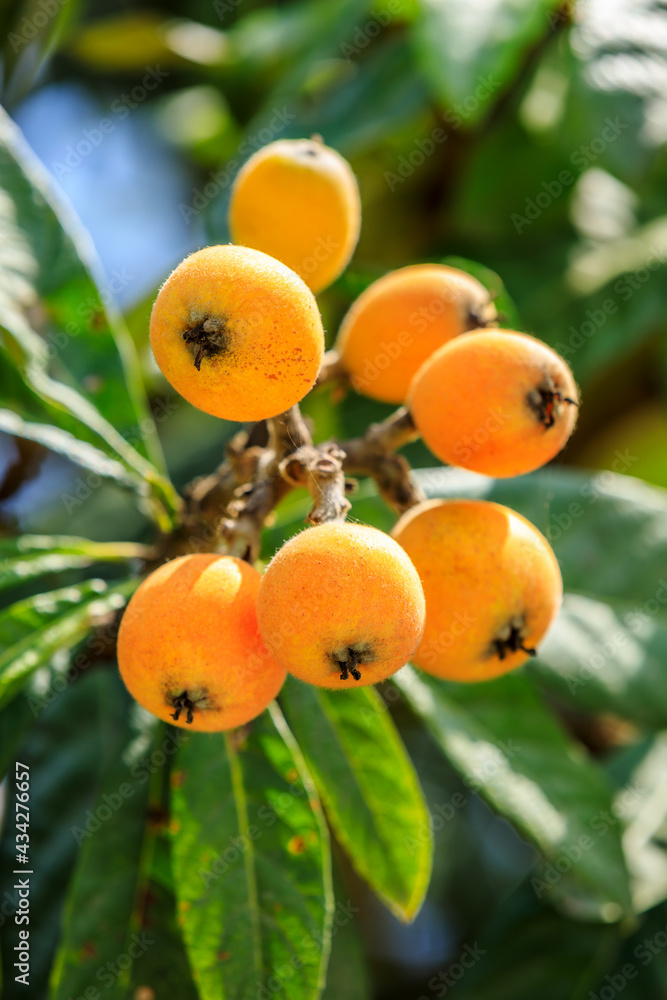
x=373 y=454
x=332 y=369
x=276 y=455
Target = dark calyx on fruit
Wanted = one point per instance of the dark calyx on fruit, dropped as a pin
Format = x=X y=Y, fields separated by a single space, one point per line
x=207 y=339
x=545 y=401
x=510 y=640
x=350 y=658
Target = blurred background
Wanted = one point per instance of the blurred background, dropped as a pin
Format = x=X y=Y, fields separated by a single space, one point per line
x=526 y=137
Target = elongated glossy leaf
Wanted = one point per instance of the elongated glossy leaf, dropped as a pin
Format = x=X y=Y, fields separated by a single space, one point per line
x=34 y=630
x=640 y=771
x=511 y=750
x=251 y=864
x=609 y=656
x=471 y=51
x=43 y=277
x=64 y=442
x=19 y=622
x=65 y=754
x=99 y=922
x=369 y=788
x=63 y=361
x=29 y=557
x=163 y=967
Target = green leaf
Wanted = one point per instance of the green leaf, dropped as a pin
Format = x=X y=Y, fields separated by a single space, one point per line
x=18 y=623
x=609 y=532
x=34 y=630
x=29 y=557
x=510 y=749
x=99 y=923
x=471 y=51
x=163 y=967
x=64 y=359
x=369 y=788
x=45 y=278
x=608 y=656
x=641 y=804
x=14 y=725
x=65 y=754
x=507 y=310
x=251 y=864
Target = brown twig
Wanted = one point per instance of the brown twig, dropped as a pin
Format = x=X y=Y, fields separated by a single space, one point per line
x=231 y=506
x=290 y=459
x=320 y=470
x=373 y=454
x=332 y=369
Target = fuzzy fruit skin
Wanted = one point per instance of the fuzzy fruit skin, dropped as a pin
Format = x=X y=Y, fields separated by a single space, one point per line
x=192 y=626
x=268 y=322
x=401 y=319
x=471 y=402
x=298 y=200
x=482 y=566
x=335 y=586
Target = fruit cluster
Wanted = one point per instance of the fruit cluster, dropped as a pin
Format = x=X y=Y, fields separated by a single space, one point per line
x=464 y=588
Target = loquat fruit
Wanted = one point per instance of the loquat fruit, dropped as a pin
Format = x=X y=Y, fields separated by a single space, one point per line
x=401 y=319
x=189 y=649
x=495 y=401
x=340 y=604
x=491 y=582
x=237 y=333
x=298 y=200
